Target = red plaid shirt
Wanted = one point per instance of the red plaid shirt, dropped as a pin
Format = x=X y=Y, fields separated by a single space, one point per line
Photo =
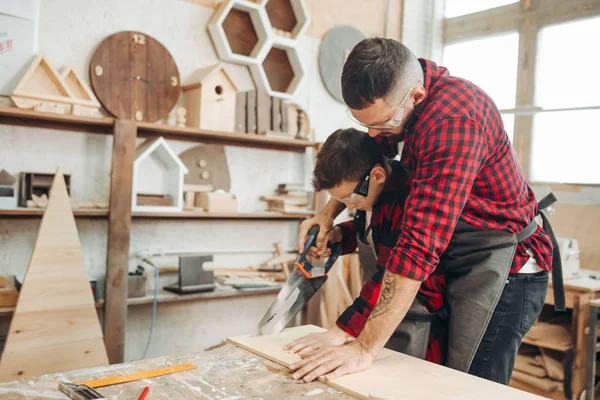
x=461 y=164
x=386 y=221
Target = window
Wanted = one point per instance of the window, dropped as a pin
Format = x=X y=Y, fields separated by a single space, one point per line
x=557 y=106
x=498 y=78
x=565 y=142
x=566 y=73
x=454 y=8
x=490 y=63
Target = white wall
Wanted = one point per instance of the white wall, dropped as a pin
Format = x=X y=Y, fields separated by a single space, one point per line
x=70 y=30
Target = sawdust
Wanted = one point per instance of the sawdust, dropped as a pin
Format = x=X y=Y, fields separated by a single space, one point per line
x=314 y=392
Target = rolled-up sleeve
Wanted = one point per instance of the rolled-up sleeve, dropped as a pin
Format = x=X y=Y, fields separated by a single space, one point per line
x=448 y=158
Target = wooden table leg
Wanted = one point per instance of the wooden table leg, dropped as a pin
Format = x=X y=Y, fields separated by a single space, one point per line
x=119 y=226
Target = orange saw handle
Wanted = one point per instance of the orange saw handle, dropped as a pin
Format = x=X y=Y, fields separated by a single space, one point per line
x=305 y=266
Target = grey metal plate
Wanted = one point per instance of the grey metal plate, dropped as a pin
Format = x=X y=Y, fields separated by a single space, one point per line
x=334 y=46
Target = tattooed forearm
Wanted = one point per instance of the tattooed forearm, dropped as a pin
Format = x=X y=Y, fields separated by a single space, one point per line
x=388 y=291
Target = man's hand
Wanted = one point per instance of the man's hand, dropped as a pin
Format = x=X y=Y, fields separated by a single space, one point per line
x=310 y=344
x=332 y=362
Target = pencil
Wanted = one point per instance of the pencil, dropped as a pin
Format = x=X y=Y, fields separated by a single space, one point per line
x=144 y=393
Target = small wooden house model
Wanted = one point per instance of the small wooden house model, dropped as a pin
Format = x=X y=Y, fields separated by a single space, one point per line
x=157 y=178
x=209 y=98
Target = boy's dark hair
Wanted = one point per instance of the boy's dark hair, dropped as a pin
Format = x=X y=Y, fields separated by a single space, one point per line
x=346 y=155
x=373 y=68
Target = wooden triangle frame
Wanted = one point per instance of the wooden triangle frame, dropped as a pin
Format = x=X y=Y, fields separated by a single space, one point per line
x=44 y=101
x=70 y=79
x=55 y=326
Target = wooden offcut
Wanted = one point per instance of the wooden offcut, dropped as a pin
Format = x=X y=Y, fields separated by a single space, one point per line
x=240 y=112
x=402 y=376
x=55 y=326
x=263 y=112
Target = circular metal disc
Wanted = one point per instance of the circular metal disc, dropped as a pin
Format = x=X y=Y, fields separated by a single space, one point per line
x=336 y=45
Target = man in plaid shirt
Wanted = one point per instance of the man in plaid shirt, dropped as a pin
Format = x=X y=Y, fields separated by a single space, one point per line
x=468 y=198
x=345 y=160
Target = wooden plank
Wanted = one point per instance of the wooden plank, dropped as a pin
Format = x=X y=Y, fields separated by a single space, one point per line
x=283 y=112
x=523 y=127
x=275 y=114
x=55 y=326
x=483 y=23
x=551 y=336
x=383 y=374
x=191 y=134
x=240 y=112
x=20 y=117
x=263 y=112
x=251 y=111
x=119 y=227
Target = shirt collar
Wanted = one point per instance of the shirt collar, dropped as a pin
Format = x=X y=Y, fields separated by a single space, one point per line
x=395 y=180
x=431 y=73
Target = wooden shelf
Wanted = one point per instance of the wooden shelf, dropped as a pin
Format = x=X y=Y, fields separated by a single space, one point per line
x=103 y=213
x=17 y=116
x=38 y=212
x=233 y=139
x=547 y=344
x=206 y=215
x=168 y=297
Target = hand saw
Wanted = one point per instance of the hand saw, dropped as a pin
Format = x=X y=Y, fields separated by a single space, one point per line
x=303 y=283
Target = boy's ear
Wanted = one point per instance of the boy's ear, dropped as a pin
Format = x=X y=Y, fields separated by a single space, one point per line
x=378 y=174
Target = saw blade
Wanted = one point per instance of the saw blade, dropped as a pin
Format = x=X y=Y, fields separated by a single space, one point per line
x=293 y=296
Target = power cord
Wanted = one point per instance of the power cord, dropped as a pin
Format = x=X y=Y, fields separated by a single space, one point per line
x=144 y=259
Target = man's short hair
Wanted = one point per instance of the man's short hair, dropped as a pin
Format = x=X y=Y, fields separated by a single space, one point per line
x=379 y=68
x=346 y=155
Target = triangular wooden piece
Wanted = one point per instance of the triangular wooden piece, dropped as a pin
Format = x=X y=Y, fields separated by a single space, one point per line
x=41 y=82
x=55 y=326
x=78 y=87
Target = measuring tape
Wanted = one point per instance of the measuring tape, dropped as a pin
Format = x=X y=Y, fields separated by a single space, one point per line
x=115 y=380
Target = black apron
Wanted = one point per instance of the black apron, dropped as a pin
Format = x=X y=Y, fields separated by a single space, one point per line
x=476 y=265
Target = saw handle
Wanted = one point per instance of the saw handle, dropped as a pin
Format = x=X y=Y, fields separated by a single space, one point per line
x=305 y=266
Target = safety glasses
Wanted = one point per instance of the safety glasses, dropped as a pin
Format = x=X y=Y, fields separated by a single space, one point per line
x=390 y=124
x=361 y=190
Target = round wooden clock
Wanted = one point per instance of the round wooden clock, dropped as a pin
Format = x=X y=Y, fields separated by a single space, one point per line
x=135 y=77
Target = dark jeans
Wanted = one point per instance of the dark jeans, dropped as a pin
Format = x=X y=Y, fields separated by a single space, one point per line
x=518 y=308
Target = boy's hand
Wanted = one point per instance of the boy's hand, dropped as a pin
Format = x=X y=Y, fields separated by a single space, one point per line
x=310 y=344
x=333 y=236
x=325 y=222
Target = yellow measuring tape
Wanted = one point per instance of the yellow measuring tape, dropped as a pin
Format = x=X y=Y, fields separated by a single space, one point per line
x=115 y=380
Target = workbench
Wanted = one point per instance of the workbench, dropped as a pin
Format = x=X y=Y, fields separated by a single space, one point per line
x=226 y=373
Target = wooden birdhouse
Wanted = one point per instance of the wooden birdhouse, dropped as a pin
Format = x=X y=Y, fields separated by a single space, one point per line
x=209 y=98
x=157 y=178
x=8 y=190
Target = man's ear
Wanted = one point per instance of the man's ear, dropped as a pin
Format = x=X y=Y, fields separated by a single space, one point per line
x=419 y=95
x=378 y=174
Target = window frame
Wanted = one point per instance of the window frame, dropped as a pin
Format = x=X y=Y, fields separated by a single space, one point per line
x=526 y=17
